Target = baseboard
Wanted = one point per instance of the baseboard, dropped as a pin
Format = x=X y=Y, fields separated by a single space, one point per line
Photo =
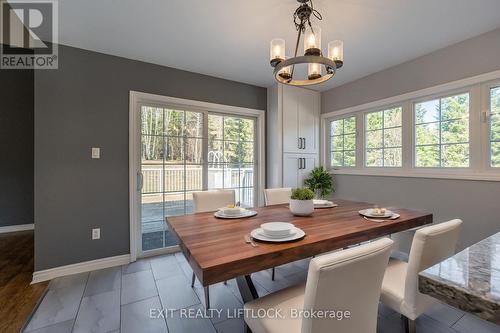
x=81 y=267
x=16 y=228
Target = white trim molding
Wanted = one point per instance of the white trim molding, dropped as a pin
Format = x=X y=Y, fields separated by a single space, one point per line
x=136 y=99
x=479 y=168
x=81 y=267
x=16 y=228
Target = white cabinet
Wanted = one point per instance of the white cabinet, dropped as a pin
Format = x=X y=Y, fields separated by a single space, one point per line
x=292 y=135
x=297 y=168
x=300 y=120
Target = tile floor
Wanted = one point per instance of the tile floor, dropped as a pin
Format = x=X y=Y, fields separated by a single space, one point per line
x=119 y=300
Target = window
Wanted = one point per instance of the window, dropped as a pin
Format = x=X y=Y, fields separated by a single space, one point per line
x=442 y=132
x=231 y=159
x=383 y=138
x=343 y=142
x=495 y=127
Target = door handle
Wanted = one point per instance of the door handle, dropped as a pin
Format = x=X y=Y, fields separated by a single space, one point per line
x=140 y=181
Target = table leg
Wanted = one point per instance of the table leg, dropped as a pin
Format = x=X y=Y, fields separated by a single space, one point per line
x=247 y=288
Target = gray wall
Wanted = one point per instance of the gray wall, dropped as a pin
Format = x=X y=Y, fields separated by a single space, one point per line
x=474 y=56
x=16 y=147
x=84 y=104
x=476 y=202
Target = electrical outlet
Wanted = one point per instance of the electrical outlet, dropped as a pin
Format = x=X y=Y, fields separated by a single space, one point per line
x=96 y=152
x=96 y=233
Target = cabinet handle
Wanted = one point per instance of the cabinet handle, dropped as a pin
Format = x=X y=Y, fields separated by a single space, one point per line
x=304 y=146
x=299 y=143
x=305 y=166
x=300 y=163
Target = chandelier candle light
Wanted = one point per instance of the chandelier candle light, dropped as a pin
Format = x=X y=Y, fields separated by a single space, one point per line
x=313 y=57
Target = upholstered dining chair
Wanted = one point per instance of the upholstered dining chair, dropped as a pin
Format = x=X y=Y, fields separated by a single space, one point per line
x=209 y=201
x=430 y=245
x=346 y=280
x=276 y=196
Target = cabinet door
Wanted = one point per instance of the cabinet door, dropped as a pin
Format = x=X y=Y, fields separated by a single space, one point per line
x=308 y=120
x=290 y=119
x=309 y=163
x=290 y=170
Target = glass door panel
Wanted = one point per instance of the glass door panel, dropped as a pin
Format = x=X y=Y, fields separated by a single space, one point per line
x=172 y=167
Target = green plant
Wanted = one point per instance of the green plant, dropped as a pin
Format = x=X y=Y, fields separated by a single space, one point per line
x=320 y=182
x=302 y=194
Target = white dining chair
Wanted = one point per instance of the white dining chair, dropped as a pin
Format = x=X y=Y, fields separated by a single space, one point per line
x=210 y=201
x=276 y=196
x=346 y=280
x=430 y=246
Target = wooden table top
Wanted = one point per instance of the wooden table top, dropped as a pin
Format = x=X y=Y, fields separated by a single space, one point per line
x=216 y=249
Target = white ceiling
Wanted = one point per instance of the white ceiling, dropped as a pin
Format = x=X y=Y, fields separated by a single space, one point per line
x=230 y=38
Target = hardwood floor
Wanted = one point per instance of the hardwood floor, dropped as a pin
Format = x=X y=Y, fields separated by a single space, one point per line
x=17 y=296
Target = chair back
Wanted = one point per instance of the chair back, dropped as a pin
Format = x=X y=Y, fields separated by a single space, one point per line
x=209 y=201
x=277 y=196
x=430 y=246
x=348 y=280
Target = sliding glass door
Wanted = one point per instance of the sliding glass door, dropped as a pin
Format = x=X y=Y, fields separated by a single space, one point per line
x=185 y=151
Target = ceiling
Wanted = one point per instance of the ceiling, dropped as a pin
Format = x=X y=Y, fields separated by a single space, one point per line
x=230 y=38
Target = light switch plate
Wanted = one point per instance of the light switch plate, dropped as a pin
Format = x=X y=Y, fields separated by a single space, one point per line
x=96 y=233
x=96 y=152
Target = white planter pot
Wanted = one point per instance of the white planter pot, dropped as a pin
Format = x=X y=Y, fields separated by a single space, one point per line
x=301 y=207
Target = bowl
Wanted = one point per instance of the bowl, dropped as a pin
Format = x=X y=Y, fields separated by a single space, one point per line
x=277 y=229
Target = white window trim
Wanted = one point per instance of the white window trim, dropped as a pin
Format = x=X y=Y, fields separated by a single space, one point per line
x=478 y=88
x=138 y=98
x=329 y=139
x=485 y=124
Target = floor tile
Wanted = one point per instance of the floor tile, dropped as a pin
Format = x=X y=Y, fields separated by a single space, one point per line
x=180 y=323
x=428 y=324
x=221 y=298
x=75 y=280
x=264 y=279
x=57 y=306
x=165 y=266
x=176 y=292
x=445 y=314
x=64 y=327
x=135 y=317
x=236 y=325
x=138 y=286
x=99 y=313
x=470 y=323
x=137 y=266
x=103 y=281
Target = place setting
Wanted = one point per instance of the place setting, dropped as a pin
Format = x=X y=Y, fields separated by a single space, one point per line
x=320 y=204
x=378 y=214
x=276 y=232
x=234 y=212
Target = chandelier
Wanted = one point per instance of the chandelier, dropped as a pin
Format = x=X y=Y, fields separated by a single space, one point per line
x=320 y=68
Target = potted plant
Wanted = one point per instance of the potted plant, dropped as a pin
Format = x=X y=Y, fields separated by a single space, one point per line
x=301 y=202
x=320 y=182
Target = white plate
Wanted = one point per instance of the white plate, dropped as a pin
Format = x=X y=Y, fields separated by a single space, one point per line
x=258 y=234
x=277 y=229
x=290 y=234
x=367 y=212
x=321 y=202
x=247 y=213
x=330 y=205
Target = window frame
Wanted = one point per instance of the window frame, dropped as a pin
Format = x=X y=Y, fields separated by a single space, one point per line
x=485 y=123
x=439 y=96
x=479 y=144
x=383 y=109
x=329 y=142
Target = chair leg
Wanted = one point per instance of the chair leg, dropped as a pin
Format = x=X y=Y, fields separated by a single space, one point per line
x=272 y=274
x=247 y=329
x=207 y=298
x=192 y=281
x=410 y=326
x=225 y=282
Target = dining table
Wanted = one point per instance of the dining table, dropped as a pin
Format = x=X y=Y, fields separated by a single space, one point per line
x=218 y=249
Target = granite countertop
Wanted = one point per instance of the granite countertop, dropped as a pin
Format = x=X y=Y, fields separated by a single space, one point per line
x=469 y=280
